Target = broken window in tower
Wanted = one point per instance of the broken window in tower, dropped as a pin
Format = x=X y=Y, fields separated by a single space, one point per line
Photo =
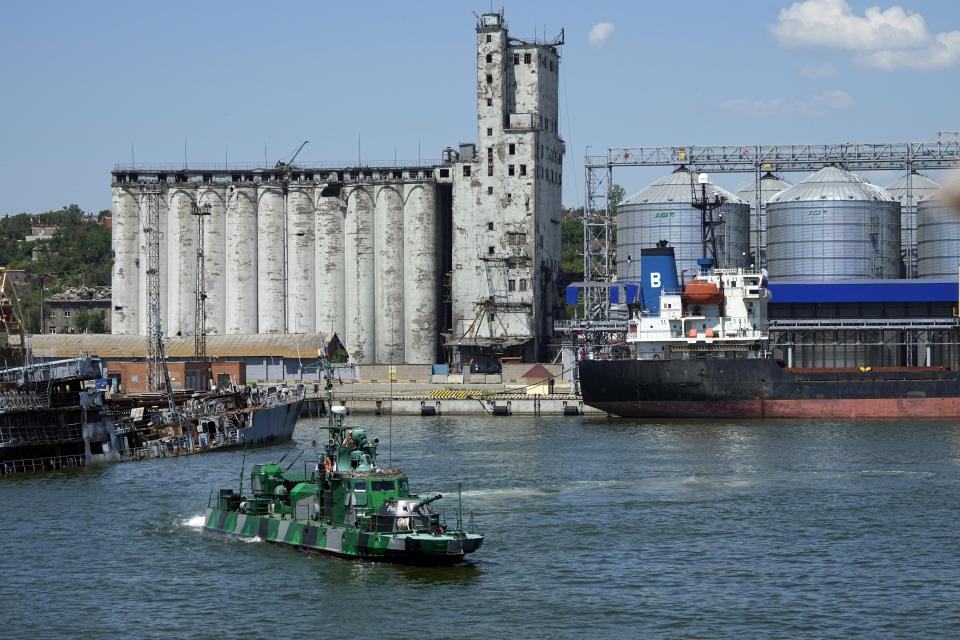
x=513 y=148
x=488 y=37
x=516 y=58
x=526 y=58
x=489 y=79
x=511 y=285
x=489 y=102
x=489 y=133
x=489 y=57
x=489 y=191
x=523 y=169
x=466 y=171
x=489 y=226
x=523 y=284
x=489 y=169
x=491 y=251
x=510 y=170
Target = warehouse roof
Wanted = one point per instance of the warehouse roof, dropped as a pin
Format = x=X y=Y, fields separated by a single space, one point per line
x=799 y=292
x=279 y=345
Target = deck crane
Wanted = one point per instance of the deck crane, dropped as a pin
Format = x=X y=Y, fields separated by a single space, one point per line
x=286 y=164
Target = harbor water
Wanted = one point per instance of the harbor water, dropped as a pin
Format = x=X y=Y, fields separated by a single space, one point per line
x=596 y=527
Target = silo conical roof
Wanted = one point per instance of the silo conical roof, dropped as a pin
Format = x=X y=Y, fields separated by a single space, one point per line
x=675 y=187
x=832 y=183
x=770 y=185
x=922 y=187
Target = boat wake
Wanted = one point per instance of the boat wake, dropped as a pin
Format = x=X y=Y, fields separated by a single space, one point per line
x=194 y=522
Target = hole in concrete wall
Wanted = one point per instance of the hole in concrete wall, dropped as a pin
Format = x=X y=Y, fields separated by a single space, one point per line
x=489 y=57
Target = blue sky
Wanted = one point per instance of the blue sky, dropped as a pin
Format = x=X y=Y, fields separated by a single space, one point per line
x=83 y=82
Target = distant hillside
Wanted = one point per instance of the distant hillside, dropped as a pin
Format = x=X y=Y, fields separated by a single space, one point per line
x=78 y=254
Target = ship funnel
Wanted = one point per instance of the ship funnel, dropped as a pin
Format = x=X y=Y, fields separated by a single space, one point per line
x=658 y=271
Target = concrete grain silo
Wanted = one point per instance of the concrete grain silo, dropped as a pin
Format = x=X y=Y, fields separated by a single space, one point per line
x=271 y=259
x=664 y=211
x=770 y=185
x=360 y=312
x=181 y=260
x=240 y=268
x=389 y=272
x=212 y=199
x=421 y=282
x=909 y=190
x=126 y=251
x=330 y=260
x=833 y=226
x=301 y=260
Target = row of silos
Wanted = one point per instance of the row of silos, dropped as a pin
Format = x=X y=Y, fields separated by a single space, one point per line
x=834 y=225
x=360 y=261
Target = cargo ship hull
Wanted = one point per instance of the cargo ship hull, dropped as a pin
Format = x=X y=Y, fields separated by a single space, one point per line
x=761 y=388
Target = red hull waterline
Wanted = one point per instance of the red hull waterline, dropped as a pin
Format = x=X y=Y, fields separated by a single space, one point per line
x=820 y=408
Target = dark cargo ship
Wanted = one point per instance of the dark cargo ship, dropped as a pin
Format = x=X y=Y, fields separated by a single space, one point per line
x=700 y=349
x=761 y=388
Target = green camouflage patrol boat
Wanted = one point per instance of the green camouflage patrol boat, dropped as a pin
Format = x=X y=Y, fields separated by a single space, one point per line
x=347 y=506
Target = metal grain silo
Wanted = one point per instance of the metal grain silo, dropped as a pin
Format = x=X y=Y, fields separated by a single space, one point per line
x=938 y=238
x=331 y=286
x=664 y=211
x=421 y=284
x=212 y=199
x=360 y=312
x=833 y=226
x=182 y=260
x=909 y=190
x=241 y=259
x=301 y=260
x=271 y=259
x=388 y=241
x=125 y=292
x=770 y=185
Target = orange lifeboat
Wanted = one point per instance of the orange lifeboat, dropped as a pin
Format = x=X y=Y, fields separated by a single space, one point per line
x=697 y=292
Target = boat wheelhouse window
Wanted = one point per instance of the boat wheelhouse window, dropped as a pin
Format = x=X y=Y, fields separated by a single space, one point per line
x=360 y=485
x=404 y=486
x=382 y=485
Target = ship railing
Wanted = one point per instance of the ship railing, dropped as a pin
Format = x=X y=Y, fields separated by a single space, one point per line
x=50 y=463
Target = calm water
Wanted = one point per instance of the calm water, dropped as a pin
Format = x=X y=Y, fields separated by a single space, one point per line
x=596 y=528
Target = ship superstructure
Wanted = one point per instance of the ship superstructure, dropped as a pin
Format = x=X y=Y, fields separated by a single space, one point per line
x=714 y=313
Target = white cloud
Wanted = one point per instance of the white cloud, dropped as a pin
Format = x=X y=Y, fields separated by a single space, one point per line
x=886 y=39
x=817 y=105
x=600 y=33
x=818 y=70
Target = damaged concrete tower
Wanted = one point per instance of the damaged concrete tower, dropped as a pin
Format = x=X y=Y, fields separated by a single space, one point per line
x=506 y=200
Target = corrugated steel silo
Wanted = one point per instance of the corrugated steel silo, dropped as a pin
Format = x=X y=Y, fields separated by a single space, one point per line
x=331 y=286
x=421 y=283
x=388 y=241
x=241 y=260
x=360 y=311
x=301 y=258
x=770 y=185
x=125 y=296
x=833 y=226
x=938 y=238
x=214 y=254
x=909 y=190
x=271 y=264
x=664 y=211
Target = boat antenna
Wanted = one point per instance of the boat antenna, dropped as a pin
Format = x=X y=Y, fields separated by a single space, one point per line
x=295 y=462
x=243 y=466
x=459 y=506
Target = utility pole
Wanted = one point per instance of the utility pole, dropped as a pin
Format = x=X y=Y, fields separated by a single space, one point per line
x=200 y=321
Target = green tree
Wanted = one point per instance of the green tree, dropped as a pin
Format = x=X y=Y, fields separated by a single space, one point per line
x=90 y=321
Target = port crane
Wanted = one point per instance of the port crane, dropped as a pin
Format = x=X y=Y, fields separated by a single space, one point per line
x=286 y=164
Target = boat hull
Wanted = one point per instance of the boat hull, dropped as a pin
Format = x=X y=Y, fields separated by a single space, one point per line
x=271 y=425
x=760 y=388
x=419 y=549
